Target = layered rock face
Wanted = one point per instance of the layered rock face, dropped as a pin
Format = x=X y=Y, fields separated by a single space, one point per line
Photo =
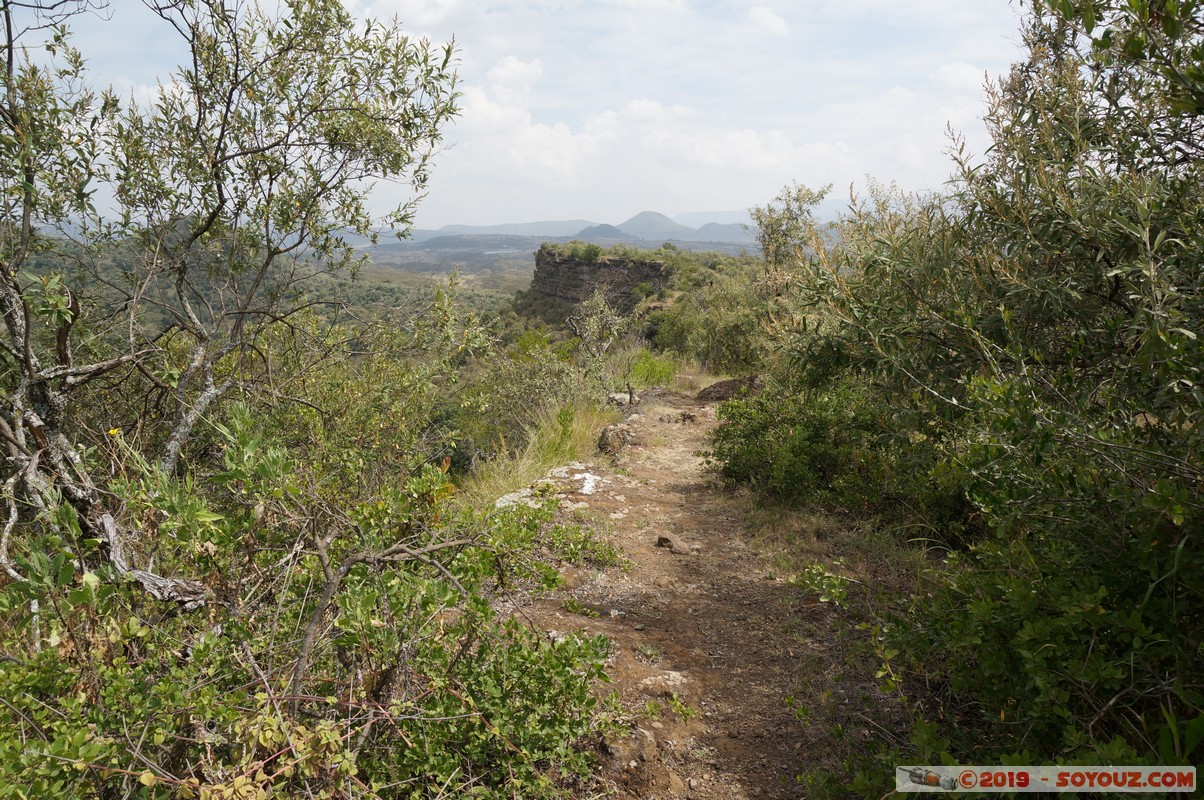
x=571 y=277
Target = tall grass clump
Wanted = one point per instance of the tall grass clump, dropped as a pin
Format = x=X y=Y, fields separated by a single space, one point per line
x=554 y=438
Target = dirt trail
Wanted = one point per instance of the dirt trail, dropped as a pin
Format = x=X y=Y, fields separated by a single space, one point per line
x=703 y=622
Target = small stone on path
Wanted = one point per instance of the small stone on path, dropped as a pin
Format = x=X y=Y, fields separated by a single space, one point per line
x=674 y=544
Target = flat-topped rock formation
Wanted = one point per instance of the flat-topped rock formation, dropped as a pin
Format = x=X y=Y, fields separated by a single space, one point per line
x=573 y=272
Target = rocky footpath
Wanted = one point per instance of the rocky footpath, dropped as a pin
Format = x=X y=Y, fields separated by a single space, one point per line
x=701 y=650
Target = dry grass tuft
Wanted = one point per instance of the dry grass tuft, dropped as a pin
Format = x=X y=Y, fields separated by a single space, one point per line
x=691 y=377
x=558 y=437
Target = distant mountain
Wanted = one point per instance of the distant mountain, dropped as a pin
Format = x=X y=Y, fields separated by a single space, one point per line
x=714 y=232
x=604 y=234
x=646 y=229
x=546 y=228
x=697 y=219
x=488 y=242
x=651 y=226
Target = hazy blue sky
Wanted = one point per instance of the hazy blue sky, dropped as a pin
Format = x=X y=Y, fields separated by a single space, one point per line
x=599 y=110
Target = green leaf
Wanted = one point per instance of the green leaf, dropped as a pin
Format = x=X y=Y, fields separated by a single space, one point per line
x=1193 y=735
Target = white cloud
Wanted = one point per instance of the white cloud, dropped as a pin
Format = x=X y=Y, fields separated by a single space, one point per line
x=767 y=19
x=512 y=70
x=512 y=81
x=417 y=13
x=960 y=75
x=507 y=145
x=666 y=5
x=644 y=110
x=579 y=108
x=910 y=155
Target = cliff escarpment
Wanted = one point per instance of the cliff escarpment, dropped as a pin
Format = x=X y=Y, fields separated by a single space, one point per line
x=573 y=272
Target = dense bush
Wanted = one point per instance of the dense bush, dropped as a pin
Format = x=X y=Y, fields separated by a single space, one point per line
x=498 y=407
x=575 y=250
x=230 y=563
x=1038 y=328
x=818 y=447
x=365 y=658
x=721 y=325
x=839 y=448
x=650 y=369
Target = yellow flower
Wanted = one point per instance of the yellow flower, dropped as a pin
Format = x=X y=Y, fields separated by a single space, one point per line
x=113 y=431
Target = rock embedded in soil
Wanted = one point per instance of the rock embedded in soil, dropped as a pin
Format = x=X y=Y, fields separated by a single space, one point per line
x=614 y=438
x=623 y=399
x=726 y=390
x=668 y=684
x=674 y=544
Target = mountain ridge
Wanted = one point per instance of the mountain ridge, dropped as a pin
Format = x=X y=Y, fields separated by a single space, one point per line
x=566 y=227
x=652 y=225
x=646 y=226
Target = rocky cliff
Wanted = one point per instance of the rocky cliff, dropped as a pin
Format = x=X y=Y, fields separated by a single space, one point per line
x=575 y=273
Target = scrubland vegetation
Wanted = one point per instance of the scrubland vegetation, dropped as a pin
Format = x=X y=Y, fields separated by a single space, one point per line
x=236 y=563
x=1008 y=373
x=248 y=539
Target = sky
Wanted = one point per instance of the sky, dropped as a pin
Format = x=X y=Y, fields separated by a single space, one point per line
x=600 y=109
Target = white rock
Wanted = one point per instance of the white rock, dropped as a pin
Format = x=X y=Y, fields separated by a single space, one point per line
x=514 y=498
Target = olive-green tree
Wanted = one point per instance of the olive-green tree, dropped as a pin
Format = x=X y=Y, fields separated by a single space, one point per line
x=229 y=189
x=1161 y=39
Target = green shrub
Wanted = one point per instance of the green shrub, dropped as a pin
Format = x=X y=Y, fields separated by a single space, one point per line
x=649 y=369
x=576 y=250
x=722 y=325
x=817 y=446
x=350 y=646
x=1034 y=344
x=508 y=400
